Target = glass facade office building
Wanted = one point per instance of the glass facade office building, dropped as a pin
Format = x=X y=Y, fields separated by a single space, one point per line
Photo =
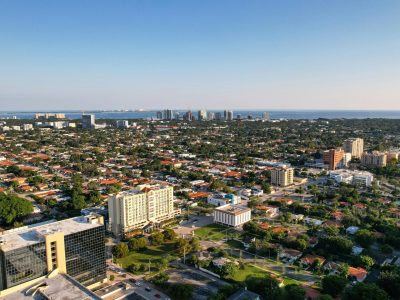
x=74 y=246
x=85 y=255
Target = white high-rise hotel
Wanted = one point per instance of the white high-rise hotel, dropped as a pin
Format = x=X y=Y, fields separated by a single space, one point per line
x=136 y=208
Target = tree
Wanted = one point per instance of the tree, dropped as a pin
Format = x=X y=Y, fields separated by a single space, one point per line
x=333 y=284
x=362 y=291
x=228 y=269
x=266 y=286
x=181 y=291
x=366 y=261
x=294 y=292
x=389 y=280
x=325 y=297
x=195 y=244
x=365 y=238
x=136 y=244
x=156 y=238
x=160 y=278
x=183 y=246
x=78 y=202
x=169 y=234
x=121 y=250
x=13 y=207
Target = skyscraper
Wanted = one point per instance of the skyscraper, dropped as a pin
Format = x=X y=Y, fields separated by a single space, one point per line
x=188 y=116
x=168 y=114
x=265 y=116
x=228 y=115
x=88 y=121
x=202 y=115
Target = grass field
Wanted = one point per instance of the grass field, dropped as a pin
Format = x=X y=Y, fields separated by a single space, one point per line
x=213 y=232
x=241 y=275
x=152 y=253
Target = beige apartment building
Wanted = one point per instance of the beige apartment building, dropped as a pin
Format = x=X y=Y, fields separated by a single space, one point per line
x=355 y=146
x=282 y=176
x=136 y=208
x=376 y=159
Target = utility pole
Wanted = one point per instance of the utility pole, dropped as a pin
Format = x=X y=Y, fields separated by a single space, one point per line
x=184 y=254
x=149 y=266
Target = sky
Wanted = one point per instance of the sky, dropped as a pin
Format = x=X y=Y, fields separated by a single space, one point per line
x=212 y=54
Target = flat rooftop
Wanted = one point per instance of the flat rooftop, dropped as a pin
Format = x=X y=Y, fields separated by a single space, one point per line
x=33 y=234
x=59 y=287
x=233 y=209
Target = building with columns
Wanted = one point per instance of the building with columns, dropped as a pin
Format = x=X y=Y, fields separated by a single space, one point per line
x=232 y=215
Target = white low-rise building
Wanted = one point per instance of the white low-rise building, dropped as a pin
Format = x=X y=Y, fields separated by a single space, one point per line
x=232 y=215
x=352 y=177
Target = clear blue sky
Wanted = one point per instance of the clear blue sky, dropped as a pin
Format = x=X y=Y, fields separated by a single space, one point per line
x=199 y=54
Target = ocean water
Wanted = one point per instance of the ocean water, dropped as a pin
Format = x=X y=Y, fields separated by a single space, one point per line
x=274 y=114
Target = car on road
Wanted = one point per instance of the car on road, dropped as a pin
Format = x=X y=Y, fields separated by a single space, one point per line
x=138 y=283
x=157 y=295
x=148 y=289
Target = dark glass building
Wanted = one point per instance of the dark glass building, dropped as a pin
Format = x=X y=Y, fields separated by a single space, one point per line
x=73 y=246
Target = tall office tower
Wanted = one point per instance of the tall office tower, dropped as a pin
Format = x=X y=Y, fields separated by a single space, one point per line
x=202 y=115
x=229 y=115
x=376 y=159
x=177 y=116
x=210 y=116
x=188 y=116
x=334 y=158
x=73 y=246
x=88 y=121
x=135 y=209
x=265 y=116
x=218 y=116
x=355 y=146
x=122 y=123
x=168 y=114
x=159 y=115
x=238 y=117
x=282 y=176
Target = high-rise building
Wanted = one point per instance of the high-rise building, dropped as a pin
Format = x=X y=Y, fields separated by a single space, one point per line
x=73 y=246
x=210 y=116
x=334 y=158
x=202 y=115
x=188 y=116
x=168 y=115
x=88 y=121
x=282 y=176
x=122 y=123
x=265 y=116
x=228 y=115
x=159 y=115
x=218 y=116
x=375 y=159
x=177 y=116
x=136 y=208
x=355 y=146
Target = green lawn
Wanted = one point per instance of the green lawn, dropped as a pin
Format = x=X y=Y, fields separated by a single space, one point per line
x=152 y=253
x=235 y=244
x=213 y=232
x=241 y=275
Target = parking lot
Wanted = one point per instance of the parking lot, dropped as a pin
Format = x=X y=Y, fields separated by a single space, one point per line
x=204 y=285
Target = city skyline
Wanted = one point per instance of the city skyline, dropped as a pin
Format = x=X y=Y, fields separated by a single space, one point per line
x=217 y=55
